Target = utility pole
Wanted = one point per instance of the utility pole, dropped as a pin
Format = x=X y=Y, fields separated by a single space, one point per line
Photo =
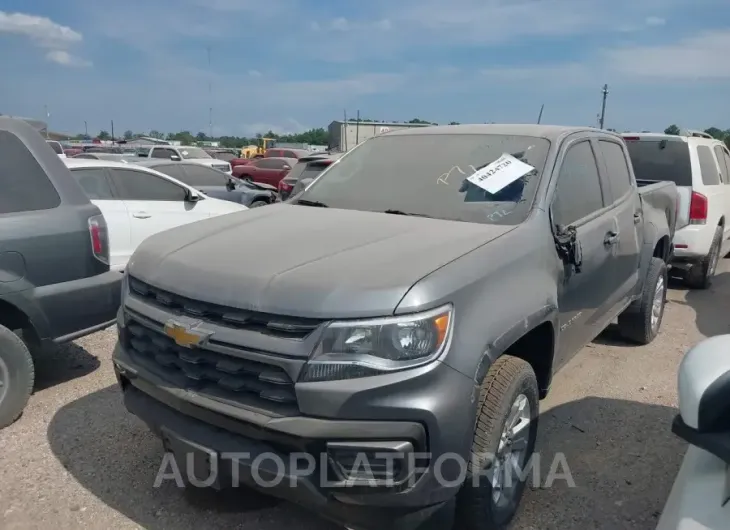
x=210 y=98
x=357 y=129
x=48 y=115
x=603 y=107
x=112 y=131
x=539 y=116
x=346 y=131
x=86 y=129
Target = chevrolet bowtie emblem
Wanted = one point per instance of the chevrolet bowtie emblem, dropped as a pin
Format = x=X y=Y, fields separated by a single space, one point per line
x=186 y=336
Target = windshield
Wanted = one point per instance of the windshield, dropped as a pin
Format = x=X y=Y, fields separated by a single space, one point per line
x=56 y=147
x=224 y=155
x=661 y=159
x=426 y=174
x=193 y=152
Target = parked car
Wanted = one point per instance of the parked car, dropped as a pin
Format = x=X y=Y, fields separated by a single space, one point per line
x=215 y=183
x=700 y=166
x=265 y=170
x=138 y=202
x=189 y=153
x=282 y=152
x=700 y=497
x=57 y=148
x=229 y=155
x=427 y=320
x=105 y=156
x=72 y=151
x=304 y=172
x=55 y=283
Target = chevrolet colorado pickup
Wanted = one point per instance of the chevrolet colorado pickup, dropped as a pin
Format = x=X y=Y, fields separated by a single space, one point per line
x=414 y=331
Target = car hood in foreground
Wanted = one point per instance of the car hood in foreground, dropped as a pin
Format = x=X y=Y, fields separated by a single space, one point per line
x=325 y=263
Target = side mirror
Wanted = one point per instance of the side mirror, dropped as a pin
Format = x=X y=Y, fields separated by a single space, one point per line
x=704 y=397
x=192 y=196
x=175 y=158
x=286 y=167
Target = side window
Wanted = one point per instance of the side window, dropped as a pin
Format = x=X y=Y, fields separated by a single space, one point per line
x=266 y=163
x=139 y=186
x=162 y=153
x=24 y=185
x=288 y=154
x=175 y=171
x=199 y=175
x=578 y=191
x=94 y=182
x=619 y=176
x=723 y=160
x=708 y=168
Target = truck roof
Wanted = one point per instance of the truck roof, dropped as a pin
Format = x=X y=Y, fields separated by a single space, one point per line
x=549 y=132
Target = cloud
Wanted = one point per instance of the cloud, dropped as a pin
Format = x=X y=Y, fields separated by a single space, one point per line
x=44 y=33
x=655 y=21
x=66 y=59
x=254 y=73
x=703 y=56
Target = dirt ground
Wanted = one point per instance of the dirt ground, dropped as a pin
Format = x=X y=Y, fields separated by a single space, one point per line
x=76 y=459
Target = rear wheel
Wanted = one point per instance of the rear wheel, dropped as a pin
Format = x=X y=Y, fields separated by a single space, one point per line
x=17 y=376
x=640 y=322
x=503 y=443
x=701 y=274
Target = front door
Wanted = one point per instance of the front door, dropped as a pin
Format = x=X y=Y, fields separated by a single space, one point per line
x=578 y=202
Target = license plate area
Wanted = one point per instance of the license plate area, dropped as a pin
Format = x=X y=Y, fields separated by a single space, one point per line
x=199 y=466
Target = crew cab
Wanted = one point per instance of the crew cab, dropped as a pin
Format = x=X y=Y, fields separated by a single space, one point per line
x=414 y=330
x=190 y=153
x=138 y=202
x=700 y=166
x=55 y=282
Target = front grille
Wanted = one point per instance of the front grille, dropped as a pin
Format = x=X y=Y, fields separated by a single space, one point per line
x=221 y=377
x=279 y=326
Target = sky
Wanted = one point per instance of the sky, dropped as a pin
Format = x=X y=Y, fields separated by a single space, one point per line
x=290 y=65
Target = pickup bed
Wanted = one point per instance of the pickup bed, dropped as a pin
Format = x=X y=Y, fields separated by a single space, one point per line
x=419 y=326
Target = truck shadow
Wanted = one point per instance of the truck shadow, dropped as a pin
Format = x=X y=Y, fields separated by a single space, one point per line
x=620 y=454
x=707 y=304
x=61 y=363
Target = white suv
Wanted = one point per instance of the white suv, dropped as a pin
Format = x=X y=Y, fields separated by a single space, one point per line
x=700 y=167
x=191 y=154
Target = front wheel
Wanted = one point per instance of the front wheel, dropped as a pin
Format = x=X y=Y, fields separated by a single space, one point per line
x=256 y=204
x=502 y=447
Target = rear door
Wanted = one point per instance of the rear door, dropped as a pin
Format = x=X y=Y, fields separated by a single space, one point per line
x=95 y=182
x=723 y=160
x=626 y=209
x=155 y=204
x=580 y=201
x=162 y=152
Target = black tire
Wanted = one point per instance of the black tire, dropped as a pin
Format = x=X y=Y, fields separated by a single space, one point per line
x=701 y=274
x=17 y=376
x=508 y=379
x=635 y=323
x=256 y=204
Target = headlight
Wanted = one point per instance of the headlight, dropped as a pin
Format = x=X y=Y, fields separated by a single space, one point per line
x=353 y=349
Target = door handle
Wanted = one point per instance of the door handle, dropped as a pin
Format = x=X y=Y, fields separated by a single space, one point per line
x=610 y=239
x=141 y=215
x=637 y=217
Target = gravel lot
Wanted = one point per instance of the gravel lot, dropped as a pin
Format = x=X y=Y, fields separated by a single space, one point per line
x=76 y=459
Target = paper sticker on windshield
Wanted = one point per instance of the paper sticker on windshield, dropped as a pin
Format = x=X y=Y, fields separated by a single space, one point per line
x=500 y=173
x=184 y=153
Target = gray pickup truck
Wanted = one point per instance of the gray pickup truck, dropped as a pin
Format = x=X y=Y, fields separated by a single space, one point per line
x=440 y=277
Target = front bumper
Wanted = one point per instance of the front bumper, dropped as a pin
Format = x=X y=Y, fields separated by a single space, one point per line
x=441 y=423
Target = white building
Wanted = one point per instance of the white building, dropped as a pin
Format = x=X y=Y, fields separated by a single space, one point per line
x=346 y=135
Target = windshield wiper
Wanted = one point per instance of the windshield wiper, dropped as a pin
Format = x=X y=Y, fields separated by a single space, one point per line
x=305 y=202
x=400 y=212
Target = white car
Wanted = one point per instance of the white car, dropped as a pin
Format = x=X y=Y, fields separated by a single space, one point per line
x=138 y=202
x=700 y=497
x=57 y=148
x=700 y=166
x=191 y=154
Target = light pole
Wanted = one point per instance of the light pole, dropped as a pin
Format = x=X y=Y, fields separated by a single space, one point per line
x=86 y=129
x=603 y=106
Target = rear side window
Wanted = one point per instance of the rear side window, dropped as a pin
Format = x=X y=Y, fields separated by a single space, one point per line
x=578 y=192
x=268 y=163
x=56 y=147
x=175 y=171
x=24 y=186
x=199 y=175
x=94 y=182
x=162 y=153
x=723 y=160
x=139 y=186
x=708 y=168
x=661 y=159
x=618 y=170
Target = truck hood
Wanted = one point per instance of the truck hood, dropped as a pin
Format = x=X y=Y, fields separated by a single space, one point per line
x=305 y=261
